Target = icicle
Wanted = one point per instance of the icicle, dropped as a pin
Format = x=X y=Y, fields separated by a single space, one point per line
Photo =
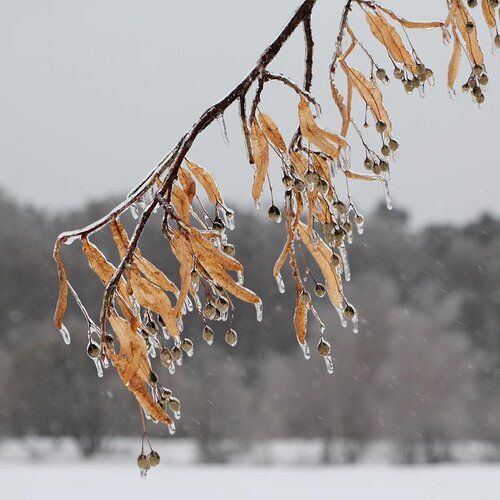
x=98 y=366
x=241 y=277
x=71 y=239
x=257 y=204
x=355 y=323
x=343 y=321
x=197 y=301
x=178 y=341
x=305 y=350
x=180 y=325
x=329 y=364
x=134 y=211
x=105 y=362
x=280 y=282
x=177 y=415
x=65 y=335
x=223 y=129
x=189 y=304
x=345 y=262
x=144 y=473
x=259 y=309
x=171 y=428
x=228 y=218
x=171 y=368
x=452 y=94
x=388 y=197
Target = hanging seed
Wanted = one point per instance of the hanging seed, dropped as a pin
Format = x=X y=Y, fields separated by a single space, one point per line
x=287 y=181
x=478 y=69
x=399 y=74
x=208 y=335
x=218 y=224
x=380 y=126
x=305 y=297
x=176 y=354
x=231 y=337
x=483 y=79
x=472 y=3
x=109 y=341
x=385 y=150
x=340 y=207
x=93 y=350
x=322 y=186
x=154 y=458
x=339 y=235
x=393 y=145
x=349 y=312
x=298 y=185
x=324 y=348
x=381 y=74
x=143 y=462
x=274 y=214
x=195 y=279
x=165 y=357
x=209 y=311
x=476 y=91
x=320 y=290
x=153 y=377
x=480 y=99
x=336 y=260
x=222 y=304
x=187 y=346
x=229 y=249
x=377 y=170
x=497 y=41
x=384 y=166
x=420 y=69
x=429 y=74
x=174 y=405
x=469 y=27
x=347 y=227
x=368 y=163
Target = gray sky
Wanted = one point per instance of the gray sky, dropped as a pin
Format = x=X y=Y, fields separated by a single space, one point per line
x=95 y=92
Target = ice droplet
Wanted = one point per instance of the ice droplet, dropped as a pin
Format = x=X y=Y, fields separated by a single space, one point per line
x=452 y=94
x=171 y=428
x=144 y=473
x=259 y=309
x=98 y=366
x=360 y=226
x=171 y=368
x=345 y=262
x=228 y=218
x=178 y=341
x=280 y=282
x=177 y=415
x=388 y=197
x=343 y=321
x=71 y=239
x=189 y=304
x=105 y=362
x=241 y=277
x=305 y=350
x=134 y=211
x=355 y=324
x=257 y=204
x=329 y=364
x=65 y=335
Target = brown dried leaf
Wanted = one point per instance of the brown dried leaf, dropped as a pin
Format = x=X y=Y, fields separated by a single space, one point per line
x=207 y=182
x=411 y=24
x=299 y=162
x=62 y=299
x=322 y=254
x=188 y=184
x=385 y=33
x=260 y=149
x=272 y=132
x=345 y=109
x=184 y=254
x=182 y=204
x=461 y=18
x=489 y=14
x=300 y=319
x=360 y=177
x=312 y=132
x=455 y=60
x=370 y=93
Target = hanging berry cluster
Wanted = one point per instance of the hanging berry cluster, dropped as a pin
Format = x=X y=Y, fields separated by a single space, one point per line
x=145 y=308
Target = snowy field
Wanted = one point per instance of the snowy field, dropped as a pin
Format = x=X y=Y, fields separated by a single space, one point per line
x=81 y=481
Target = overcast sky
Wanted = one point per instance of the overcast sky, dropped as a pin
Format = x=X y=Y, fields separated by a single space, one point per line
x=95 y=92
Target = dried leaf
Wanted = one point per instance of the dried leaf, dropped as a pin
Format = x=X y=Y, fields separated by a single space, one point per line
x=385 y=33
x=260 y=149
x=455 y=60
x=489 y=14
x=207 y=182
x=411 y=24
x=370 y=93
x=462 y=18
x=182 y=204
x=272 y=132
x=361 y=177
x=299 y=162
x=300 y=319
x=62 y=300
x=322 y=254
x=188 y=184
x=345 y=109
x=184 y=254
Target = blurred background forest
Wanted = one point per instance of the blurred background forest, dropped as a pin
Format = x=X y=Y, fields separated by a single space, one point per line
x=421 y=375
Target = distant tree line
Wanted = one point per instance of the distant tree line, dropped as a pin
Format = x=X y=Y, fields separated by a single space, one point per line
x=423 y=372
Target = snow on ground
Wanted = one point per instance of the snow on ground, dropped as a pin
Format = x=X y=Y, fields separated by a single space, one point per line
x=84 y=480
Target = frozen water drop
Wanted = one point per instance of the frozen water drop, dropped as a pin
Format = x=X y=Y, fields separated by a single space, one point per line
x=65 y=335
x=70 y=239
x=259 y=309
x=345 y=262
x=171 y=428
x=355 y=324
x=177 y=415
x=98 y=366
x=189 y=304
x=105 y=362
x=257 y=204
x=134 y=211
x=241 y=277
x=343 y=321
x=452 y=94
x=171 y=368
x=305 y=350
x=144 y=473
x=177 y=341
x=388 y=197
x=280 y=282
x=329 y=364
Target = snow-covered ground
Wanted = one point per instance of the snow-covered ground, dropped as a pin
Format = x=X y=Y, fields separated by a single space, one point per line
x=81 y=481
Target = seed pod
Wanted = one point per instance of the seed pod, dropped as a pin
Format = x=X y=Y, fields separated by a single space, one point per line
x=478 y=69
x=222 y=304
x=176 y=353
x=298 y=185
x=339 y=235
x=305 y=297
x=465 y=88
x=399 y=73
x=311 y=177
x=381 y=74
x=429 y=73
x=143 y=462
x=340 y=207
x=368 y=163
x=376 y=169
x=287 y=181
x=274 y=214
x=187 y=346
x=347 y=227
x=218 y=224
x=322 y=186
x=165 y=357
x=320 y=290
x=480 y=99
x=349 y=312
x=384 y=166
x=335 y=260
x=195 y=279
x=154 y=458
x=380 y=126
x=408 y=85
x=497 y=41
x=324 y=348
x=231 y=337
x=483 y=79
x=472 y=3
x=359 y=219
x=393 y=145
x=174 y=405
x=469 y=27
x=385 y=150
x=229 y=249
x=93 y=350
x=208 y=335
x=109 y=341
x=420 y=69
x=476 y=91
x=153 y=377
x=209 y=311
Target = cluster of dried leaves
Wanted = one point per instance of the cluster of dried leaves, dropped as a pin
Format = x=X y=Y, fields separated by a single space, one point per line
x=145 y=308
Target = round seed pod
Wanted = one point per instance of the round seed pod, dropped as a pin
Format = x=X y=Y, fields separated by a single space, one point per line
x=174 y=405
x=187 y=345
x=209 y=311
x=339 y=235
x=399 y=74
x=472 y=3
x=222 y=304
x=109 y=341
x=208 y=335
x=298 y=185
x=478 y=69
x=218 y=224
x=393 y=145
x=429 y=73
x=368 y=163
x=377 y=170
x=480 y=99
x=231 y=337
x=229 y=249
x=320 y=290
x=469 y=27
x=347 y=227
x=349 y=312
x=154 y=458
x=483 y=79
x=322 y=186
x=476 y=91
x=384 y=166
x=359 y=219
x=381 y=74
x=93 y=350
x=176 y=353
x=336 y=260
x=385 y=150
x=324 y=348
x=143 y=462
x=380 y=126
x=340 y=207
x=305 y=297
x=274 y=214
x=287 y=181
x=195 y=279
x=165 y=357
